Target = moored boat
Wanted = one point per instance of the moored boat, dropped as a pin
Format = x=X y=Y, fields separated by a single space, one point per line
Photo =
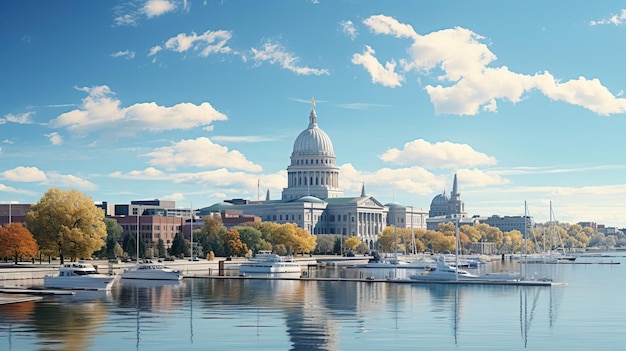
x=152 y=271
x=267 y=262
x=79 y=276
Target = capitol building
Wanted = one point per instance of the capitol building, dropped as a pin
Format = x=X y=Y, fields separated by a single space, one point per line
x=314 y=200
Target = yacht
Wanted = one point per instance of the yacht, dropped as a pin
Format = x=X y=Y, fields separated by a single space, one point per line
x=267 y=262
x=442 y=272
x=79 y=276
x=152 y=271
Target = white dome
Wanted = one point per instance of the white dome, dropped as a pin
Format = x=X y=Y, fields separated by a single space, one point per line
x=313 y=141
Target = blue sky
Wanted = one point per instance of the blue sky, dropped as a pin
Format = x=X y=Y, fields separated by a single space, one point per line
x=197 y=101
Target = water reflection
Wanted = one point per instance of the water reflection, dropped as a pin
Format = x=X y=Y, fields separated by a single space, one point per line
x=279 y=314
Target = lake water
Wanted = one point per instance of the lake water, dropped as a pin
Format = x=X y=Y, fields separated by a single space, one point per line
x=588 y=313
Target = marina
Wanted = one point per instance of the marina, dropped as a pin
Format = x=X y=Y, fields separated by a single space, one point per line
x=330 y=310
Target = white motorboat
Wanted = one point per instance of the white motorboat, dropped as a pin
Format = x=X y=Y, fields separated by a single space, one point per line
x=79 y=276
x=152 y=271
x=267 y=262
x=444 y=272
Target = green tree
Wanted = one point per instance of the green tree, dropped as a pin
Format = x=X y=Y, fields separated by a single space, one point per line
x=253 y=238
x=325 y=244
x=161 y=248
x=114 y=234
x=178 y=245
x=67 y=222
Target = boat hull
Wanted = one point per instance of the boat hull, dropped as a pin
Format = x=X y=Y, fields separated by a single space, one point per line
x=90 y=282
x=269 y=268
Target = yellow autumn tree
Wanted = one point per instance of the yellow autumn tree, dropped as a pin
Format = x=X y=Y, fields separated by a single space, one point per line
x=17 y=242
x=352 y=243
x=68 y=223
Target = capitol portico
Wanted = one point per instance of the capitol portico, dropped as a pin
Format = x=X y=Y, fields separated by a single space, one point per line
x=314 y=200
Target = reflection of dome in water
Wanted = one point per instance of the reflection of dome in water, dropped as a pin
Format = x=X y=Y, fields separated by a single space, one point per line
x=313 y=141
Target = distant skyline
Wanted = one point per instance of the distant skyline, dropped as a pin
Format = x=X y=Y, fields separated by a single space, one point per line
x=201 y=101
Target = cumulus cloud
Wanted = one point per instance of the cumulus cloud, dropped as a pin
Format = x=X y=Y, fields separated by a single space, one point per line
x=68 y=180
x=412 y=180
x=33 y=174
x=24 y=174
x=129 y=55
x=384 y=75
x=274 y=53
x=207 y=43
x=100 y=110
x=146 y=174
x=154 y=8
x=614 y=19
x=439 y=155
x=348 y=28
x=202 y=153
x=462 y=62
x=55 y=138
x=22 y=118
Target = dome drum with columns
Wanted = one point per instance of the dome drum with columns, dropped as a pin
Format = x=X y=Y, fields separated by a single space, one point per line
x=314 y=201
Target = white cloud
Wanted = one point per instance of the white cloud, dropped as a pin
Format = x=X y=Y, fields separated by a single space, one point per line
x=55 y=138
x=147 y=174
x=413 y=180
x=349 y=29
x=614 y=19
x=22 y=118
x=154 y=50
x=461 y=61
x=241 y=139
x=274 y=53
x=173 y=197
x=382 y=24
x=33 y=174
x=126 y=19
x=237 y=182
x=9 y=189
x=101 y=111
x=475 y=178
x=126 y=53
x=202 y=153
x=67 y=180
x=24 y=174
x=154 y=8
x=384 y=75
x=439 y=155
x=209 y=42
x=129 y=13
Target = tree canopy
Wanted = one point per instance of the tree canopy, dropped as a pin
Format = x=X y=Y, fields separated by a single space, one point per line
x=67 y=223
x=17 y=242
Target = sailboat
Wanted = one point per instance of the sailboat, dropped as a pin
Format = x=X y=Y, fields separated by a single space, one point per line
x=555 y=254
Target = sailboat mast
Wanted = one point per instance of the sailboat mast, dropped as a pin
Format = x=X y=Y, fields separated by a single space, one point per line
x=137 y=241
x=456 y=250
x=191 y=209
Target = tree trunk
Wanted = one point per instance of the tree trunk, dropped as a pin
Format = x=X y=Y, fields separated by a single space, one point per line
x=61 y=258
x=16 y=258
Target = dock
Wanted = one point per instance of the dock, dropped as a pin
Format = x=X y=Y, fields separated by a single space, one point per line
x=10 y=295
